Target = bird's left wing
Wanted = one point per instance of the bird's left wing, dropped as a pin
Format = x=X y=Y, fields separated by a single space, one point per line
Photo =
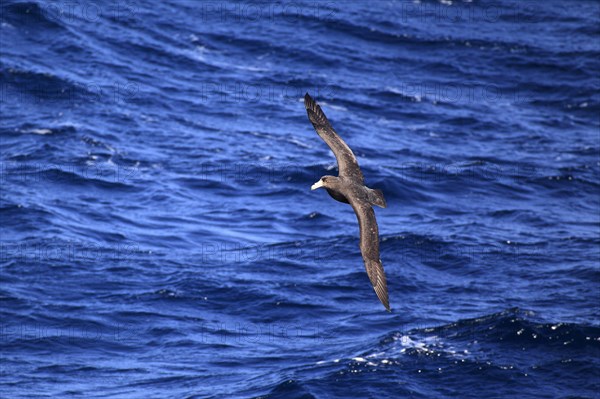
x=347 y=163
x=369 y=247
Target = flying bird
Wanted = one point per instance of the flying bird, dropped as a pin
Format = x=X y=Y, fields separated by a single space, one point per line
x=349 y=187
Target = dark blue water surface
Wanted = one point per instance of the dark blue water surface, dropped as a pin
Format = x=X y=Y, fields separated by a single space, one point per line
x=159 y=235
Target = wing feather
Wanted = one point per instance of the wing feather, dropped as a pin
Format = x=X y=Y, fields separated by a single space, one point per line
x=369 y=247
x=347 y=163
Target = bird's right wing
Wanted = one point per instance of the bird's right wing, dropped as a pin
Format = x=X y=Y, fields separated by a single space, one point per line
x=347 y=163
x=369 y=247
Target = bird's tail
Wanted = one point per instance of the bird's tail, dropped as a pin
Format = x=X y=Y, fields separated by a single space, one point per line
x=376 y=198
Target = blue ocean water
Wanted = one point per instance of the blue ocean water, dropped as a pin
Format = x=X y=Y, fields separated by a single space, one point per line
x=159 y=237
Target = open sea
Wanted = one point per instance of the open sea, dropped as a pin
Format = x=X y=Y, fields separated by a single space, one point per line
x=159 y=238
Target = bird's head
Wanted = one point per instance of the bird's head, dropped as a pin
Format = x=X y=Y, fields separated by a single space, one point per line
x=325 y=181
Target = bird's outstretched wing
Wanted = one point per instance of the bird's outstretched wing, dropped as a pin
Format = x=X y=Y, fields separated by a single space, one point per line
x=347 y=163
x=369 y=247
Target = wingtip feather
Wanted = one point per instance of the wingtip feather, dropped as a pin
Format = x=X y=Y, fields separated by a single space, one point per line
x=383 y=297
x=308 y=101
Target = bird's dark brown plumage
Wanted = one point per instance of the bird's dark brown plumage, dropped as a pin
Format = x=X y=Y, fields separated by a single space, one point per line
x=349 y=187
x=347 y=163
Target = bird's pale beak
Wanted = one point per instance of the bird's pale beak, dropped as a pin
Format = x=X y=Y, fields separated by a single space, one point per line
x=317 y=185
